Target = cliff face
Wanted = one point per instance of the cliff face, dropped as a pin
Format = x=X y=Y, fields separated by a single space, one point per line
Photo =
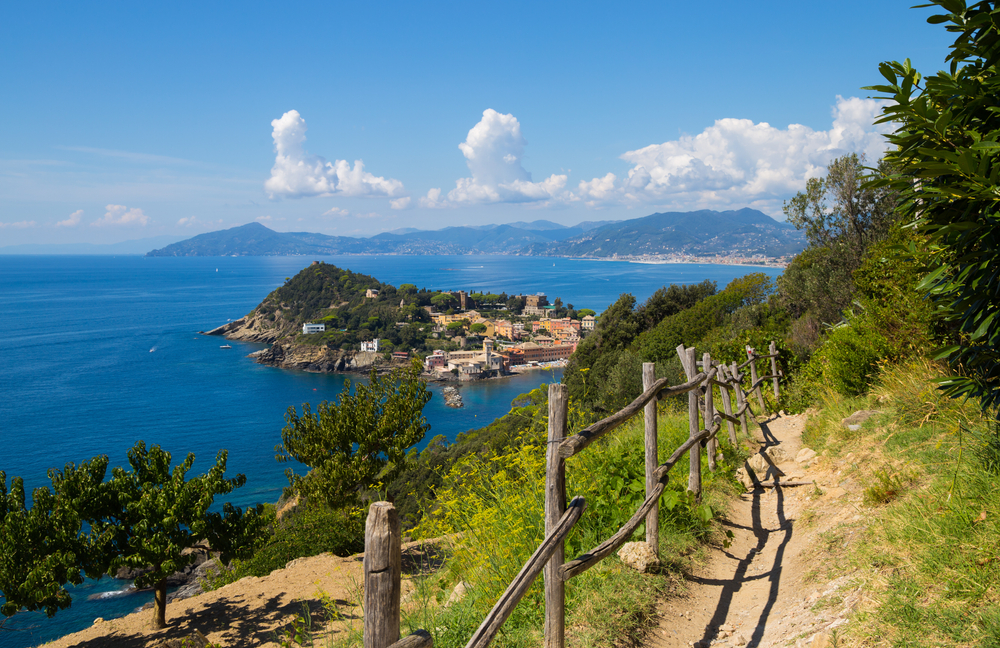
x=316 y=359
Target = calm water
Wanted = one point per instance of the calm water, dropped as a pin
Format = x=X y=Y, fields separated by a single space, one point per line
x=99 y=352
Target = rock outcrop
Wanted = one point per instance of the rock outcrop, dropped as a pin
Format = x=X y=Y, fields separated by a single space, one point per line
x=285 y=353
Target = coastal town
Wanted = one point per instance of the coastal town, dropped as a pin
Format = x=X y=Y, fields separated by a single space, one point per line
x=473 y=346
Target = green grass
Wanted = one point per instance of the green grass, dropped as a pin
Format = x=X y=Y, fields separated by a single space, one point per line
x=931 y=550
x=496 y=504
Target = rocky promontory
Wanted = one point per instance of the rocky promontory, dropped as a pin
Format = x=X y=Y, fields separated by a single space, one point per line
x=286 y=353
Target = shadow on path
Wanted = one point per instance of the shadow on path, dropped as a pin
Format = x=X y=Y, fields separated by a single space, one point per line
x=782 y=535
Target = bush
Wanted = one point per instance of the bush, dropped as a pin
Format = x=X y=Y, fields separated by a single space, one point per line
x=301 y=533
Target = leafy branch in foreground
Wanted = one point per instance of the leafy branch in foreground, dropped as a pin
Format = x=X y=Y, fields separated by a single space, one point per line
x=946 y=147
x=357 y=442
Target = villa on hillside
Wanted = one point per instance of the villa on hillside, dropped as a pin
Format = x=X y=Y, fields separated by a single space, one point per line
x=309 y=328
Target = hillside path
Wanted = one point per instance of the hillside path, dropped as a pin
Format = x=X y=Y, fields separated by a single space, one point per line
x=766 y=589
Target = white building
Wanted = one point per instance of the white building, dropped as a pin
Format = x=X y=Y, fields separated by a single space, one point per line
x=309 y=327
x=588 y=323
x=370 y=346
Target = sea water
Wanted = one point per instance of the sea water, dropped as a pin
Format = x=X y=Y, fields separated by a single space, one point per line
x=99 y=352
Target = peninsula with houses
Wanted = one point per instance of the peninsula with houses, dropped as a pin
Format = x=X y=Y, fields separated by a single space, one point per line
x=329 y=319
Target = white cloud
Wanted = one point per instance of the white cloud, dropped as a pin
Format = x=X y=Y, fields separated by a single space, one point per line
x=400 y=203
x=194 y=221
x=73 y=220
x=296 y=174
x=18 y=224
x=122 y=215
x=736 y=162
x=336 y=212
x=493 y=151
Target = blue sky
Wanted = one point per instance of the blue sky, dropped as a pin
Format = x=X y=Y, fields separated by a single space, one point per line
x=127 y=120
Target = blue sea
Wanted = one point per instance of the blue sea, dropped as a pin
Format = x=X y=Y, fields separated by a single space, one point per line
x=99 y=352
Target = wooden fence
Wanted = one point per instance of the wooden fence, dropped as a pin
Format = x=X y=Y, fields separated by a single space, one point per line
x=382 y=536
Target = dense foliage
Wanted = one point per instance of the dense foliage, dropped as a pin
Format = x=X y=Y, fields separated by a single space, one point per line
x=358 y=442
x=143 y=518
x=947 y=148
x=605 y=359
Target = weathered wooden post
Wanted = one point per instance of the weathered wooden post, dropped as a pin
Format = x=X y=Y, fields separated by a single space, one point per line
x=753 y=379
x=652 y=459
x=773 y=350
x=709 y=415
x=691 y=370
x=727 y=405
x=555 y=506
x=740 y=399
x=382 y=566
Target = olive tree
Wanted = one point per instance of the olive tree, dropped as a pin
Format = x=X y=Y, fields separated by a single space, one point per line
x=357 y=442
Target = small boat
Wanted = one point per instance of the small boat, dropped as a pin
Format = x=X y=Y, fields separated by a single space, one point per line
x=225 y=346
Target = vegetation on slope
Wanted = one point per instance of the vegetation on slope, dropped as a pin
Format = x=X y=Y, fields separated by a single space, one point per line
x=927 y=556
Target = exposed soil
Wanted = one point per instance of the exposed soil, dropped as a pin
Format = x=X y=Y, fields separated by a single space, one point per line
x=254 y=611
x=771 y=587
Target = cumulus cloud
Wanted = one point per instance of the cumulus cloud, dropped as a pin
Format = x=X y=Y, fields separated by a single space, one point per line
x=736 y=162
x=336 y=212
x=192 y=221
x=73 y=220
x=297 y=174
x=400 y=203
x=18 y=225
x=122 y=215
x=493 y=151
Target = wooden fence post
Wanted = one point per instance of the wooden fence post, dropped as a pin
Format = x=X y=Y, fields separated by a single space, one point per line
x=691 y=370
x=652 y=460
x=727 y=405
x=753 y=380
x=382 y=566
x=773 y=350
x=709 y=415
x=740 y=399
x=555 y=506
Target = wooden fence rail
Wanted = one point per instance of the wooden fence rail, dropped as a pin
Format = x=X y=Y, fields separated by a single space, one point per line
x=382 y=542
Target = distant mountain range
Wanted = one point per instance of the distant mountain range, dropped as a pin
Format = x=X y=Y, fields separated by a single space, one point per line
x=745 y=232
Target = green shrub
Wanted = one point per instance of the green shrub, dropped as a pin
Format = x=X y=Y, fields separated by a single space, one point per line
x=301 y=533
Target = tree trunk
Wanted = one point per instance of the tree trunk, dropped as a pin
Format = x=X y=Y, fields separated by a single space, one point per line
x=160 y=604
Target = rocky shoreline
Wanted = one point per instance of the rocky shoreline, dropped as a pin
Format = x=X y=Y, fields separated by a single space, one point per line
x=286 y=355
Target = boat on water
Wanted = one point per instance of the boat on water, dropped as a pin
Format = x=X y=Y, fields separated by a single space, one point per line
x=226 y=346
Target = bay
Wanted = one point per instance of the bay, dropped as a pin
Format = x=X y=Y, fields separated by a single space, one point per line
x=99 y=352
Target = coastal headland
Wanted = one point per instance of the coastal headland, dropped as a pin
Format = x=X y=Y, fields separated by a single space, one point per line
x=330 y=320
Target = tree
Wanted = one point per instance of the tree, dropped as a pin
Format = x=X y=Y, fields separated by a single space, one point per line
x=355 y=444
x=443 y=300
x=947 y=155
x=859 y=215
x=477 y=328
x=142 y=519
x=42 y=548
x=842 y=215
x=148 y=516
x=583 y=312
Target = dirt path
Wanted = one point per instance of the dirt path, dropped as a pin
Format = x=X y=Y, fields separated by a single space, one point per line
x=768 y=588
